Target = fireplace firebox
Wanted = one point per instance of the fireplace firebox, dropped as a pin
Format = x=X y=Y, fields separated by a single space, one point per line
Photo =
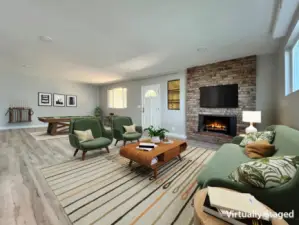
x=225 y=124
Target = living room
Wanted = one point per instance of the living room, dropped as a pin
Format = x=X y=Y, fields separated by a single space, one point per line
x=132 y=112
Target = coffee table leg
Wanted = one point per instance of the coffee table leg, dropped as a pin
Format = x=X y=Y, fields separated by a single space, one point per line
x=180 y=158
x=155 y=173
x=130 y=163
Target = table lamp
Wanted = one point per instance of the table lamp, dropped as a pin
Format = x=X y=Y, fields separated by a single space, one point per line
x=251 y=117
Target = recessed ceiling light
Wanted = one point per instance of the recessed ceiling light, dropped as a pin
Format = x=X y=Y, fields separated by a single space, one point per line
x=45 y=38
x=202 y=49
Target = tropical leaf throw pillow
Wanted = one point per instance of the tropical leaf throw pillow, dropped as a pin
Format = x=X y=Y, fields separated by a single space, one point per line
x=258 y=136
x=266 y=172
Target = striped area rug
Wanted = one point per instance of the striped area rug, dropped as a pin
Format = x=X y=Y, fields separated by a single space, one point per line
x=105 y=190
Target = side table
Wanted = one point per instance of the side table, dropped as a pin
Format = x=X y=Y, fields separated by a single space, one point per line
x=202 y=218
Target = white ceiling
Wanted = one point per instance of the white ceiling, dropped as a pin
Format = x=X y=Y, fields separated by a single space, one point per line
x=102 y=41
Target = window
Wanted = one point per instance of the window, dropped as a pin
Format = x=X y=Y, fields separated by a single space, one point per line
x=292 y=62
x=150 y=94
x=117 y=98
x=295 y=67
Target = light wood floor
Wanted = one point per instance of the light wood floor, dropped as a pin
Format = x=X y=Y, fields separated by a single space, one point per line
x=25 y=197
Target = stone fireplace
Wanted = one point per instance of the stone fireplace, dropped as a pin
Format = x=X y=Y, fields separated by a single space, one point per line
x=218 y=124
x=228 y=122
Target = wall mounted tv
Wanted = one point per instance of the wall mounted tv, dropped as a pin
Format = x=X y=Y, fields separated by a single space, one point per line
x=222 y=96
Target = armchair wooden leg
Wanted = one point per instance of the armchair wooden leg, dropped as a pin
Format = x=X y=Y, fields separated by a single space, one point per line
x=76 y=151
x=83 y=155
x=107 y=149
x=125 y=143
x=116 y=142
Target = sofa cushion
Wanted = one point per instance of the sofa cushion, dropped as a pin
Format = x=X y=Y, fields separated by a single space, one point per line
x=258 y=136
x=286 y=140
x=267 y=172
x=96 y=143
x=227 y=158
x=132 y=136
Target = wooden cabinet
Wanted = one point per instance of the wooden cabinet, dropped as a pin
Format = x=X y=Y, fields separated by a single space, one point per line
x=173 y=88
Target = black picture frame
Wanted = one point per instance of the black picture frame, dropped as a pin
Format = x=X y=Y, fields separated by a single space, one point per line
x=58 y=100
x=44 y=99
x=71 y=101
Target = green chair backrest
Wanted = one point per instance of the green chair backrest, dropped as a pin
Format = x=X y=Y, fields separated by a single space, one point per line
x=118 y=122
x=86 y=124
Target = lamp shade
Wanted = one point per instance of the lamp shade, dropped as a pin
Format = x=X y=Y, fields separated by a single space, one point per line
x=251 y=116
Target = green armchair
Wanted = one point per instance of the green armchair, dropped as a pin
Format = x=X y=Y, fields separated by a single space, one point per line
x=103 y=138
x=118 y=124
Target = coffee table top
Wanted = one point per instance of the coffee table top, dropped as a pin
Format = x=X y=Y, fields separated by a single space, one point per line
x=161 y=147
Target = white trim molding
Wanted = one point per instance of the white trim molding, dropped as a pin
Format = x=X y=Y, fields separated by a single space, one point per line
x=179 y=136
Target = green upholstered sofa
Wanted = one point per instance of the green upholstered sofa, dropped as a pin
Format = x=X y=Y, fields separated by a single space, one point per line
x=281 y=199
x=103 y=137
x=118 y=123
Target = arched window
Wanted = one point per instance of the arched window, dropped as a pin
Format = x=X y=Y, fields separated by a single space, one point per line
x=150 y=94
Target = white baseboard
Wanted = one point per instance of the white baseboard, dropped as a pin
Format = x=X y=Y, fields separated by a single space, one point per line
x=174 y=135
x=22 y=127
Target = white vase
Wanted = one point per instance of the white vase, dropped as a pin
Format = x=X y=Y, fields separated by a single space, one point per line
x=156 y=139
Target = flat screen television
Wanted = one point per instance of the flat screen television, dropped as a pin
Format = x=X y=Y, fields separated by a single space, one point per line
x=222 y=96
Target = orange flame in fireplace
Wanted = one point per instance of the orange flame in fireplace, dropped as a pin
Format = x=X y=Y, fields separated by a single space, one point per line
x=216 y=125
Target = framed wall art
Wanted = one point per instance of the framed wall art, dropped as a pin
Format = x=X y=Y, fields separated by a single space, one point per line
x=44 y=99
x=71 y=101
x=59 y=100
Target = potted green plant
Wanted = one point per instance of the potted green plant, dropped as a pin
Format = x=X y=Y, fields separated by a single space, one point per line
x=98 y=112
x=156 y=134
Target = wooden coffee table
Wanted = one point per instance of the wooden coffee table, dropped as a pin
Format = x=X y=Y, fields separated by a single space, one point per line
x=202 y=218
x=164 y=153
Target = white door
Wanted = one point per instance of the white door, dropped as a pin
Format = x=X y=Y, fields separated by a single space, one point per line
x=151 y=105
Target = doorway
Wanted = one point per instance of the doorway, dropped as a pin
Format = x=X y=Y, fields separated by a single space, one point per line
x=151 y=105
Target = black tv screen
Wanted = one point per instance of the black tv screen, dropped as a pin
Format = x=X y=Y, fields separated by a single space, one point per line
x=222 y=96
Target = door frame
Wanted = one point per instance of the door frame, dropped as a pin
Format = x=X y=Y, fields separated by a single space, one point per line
x=143 y=91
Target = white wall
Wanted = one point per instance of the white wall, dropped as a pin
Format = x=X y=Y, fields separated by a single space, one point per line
x=173 y=120
x=19 y=90
x=287 y=106
x=266 y=70
x=265 y=99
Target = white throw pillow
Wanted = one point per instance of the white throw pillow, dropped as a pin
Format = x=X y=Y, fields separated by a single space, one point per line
x=84 y=135
x=130 y=129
